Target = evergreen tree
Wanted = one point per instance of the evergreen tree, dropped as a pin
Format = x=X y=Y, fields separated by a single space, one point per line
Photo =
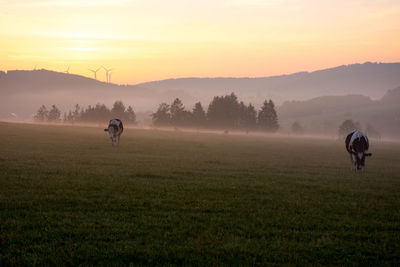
x=101 y=113
x=42 y=114
x=198 y=115
x=86 y=114
x=251 y=117
x=296 y=128
x=70 y=117
x=130 y=116
x=162 y=117
x=179 y=116
x=223 y=112
x=242 y=115
x=54 y=114
x=76 y=113
x=247 y=117
x=267 y=117
x=118 y=110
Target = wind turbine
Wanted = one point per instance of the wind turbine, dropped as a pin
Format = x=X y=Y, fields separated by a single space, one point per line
x=67 y=71
x=107 y=71
x=109 y=77
x=95 y=71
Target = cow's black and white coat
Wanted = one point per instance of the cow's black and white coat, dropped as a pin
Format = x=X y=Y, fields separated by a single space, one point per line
x=115 y=129
x=357 y=145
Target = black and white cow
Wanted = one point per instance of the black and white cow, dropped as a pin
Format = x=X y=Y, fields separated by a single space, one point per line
x=115 y=129
x=357 y=145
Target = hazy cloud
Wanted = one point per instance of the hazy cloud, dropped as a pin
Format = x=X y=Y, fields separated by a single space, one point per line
x=256 y=3
x=67 y=3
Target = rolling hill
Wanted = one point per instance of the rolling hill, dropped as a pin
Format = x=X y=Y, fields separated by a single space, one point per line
x=369 y=79
x=323 y=115
x=22 y=92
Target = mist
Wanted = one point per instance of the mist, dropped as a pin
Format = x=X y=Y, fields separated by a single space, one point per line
x=319 y=101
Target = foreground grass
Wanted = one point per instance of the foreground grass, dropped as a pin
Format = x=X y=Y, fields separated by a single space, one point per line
x=165 y=198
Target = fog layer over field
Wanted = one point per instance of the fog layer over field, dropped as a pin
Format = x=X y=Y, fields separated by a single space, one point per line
x=319 y=101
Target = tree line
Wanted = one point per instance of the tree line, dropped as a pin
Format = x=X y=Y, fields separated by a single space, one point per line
x=349 y=125
x=91 y=114
x=346 y=127
x=224 y=112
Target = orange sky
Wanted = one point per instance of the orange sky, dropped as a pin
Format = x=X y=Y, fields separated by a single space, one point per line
x=158 y=39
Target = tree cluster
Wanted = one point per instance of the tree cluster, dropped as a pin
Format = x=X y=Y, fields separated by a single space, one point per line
x=349 y=125
x=91 y=114
x=45 y=115
x=224 y=112
x=296 y=128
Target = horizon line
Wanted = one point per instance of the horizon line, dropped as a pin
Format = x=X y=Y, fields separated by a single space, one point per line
x=209 y=77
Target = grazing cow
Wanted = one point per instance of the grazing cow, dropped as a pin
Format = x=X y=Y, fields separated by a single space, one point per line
x=357 y=145
x=115 y=129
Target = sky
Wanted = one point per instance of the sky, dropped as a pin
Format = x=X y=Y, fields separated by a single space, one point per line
x=157 y=39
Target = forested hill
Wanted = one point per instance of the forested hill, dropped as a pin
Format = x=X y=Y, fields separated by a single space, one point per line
x=392 y=97
x=324 y=114
x=22 y=92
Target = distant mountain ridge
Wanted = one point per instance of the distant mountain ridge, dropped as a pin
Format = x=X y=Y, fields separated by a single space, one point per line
x=370 y=79
x=22 y=91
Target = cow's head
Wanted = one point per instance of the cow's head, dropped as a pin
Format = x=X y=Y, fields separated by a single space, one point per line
x=112 y=132
x=358 y=160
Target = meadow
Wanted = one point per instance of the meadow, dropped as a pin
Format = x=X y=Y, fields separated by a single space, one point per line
x=67 y=197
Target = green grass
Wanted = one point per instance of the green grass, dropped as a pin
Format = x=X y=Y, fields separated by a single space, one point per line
x=67 y=197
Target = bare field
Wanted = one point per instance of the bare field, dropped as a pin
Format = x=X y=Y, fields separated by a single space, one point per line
x=67 y=197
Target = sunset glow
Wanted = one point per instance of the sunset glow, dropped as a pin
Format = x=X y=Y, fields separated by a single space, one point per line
x=151 y=40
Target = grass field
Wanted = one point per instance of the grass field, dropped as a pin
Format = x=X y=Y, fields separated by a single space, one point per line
x=67 y=197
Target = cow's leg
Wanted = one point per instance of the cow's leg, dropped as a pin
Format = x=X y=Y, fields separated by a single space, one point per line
x=359 y=158
x=353 y=162
x=363 y=162
x=352 y=167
